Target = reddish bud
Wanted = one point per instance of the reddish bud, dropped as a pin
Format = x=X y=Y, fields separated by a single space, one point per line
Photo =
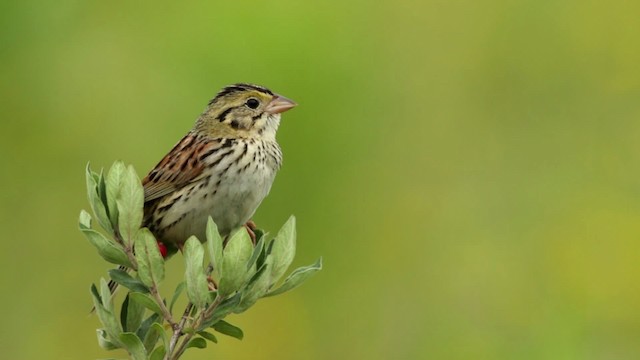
x=163 y=249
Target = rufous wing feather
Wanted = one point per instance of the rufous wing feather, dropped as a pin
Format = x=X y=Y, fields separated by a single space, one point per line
x=181 y=166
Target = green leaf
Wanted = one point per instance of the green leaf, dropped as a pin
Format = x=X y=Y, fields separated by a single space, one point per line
x=106 y=295
x=102 y=190
x=104 y=341
x=143 y=329
x=284 y=249
x=98 y=207
x=146 y=301
x=158 y=353
x=297 y=278
x=95 y=295
x=268 y=248
x=176 y=294
x=163 y=335
x=214 y=243
x=131 y=314
x=234 y=262
x=225 y=308
x=150 y=261
x=104 y=310
x=123 y=278
x=257 y=251
x=152 y=336
x=130 y=203
x=85 y=220
x=209 y=336
x=107 y=250
x=199 y=343
x=113 y=186
x=134 y=346
x=224 y=327
x=257 y=287
x=259 y=234
x=197 y=288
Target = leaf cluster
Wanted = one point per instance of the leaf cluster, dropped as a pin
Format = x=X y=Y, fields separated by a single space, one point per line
x=229 y=276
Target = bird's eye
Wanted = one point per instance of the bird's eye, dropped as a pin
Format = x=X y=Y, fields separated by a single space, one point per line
x=253 y=103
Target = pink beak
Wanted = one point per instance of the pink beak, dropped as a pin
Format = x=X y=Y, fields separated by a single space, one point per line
x=279 y=104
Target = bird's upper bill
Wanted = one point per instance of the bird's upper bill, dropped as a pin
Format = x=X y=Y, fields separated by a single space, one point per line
x=279 y=104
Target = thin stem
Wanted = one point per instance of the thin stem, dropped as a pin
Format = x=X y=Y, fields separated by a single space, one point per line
x=204 y=314
x=132 y=258
x=165 y=312
x=177 y=332
x=178 y=329
x=128 y=249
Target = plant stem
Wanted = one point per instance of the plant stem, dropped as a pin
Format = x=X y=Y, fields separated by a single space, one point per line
x=177 y=332
x=165 y=312
x=202 y=316
x=128 y=249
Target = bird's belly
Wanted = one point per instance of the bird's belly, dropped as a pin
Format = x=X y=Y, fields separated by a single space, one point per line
x=230 y=202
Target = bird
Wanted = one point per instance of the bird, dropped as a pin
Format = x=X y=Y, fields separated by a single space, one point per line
x=222 y=168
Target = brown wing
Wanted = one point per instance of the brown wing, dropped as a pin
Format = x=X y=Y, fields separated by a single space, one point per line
x=181 y=166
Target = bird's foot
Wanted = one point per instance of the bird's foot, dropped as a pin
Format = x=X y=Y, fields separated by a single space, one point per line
x=213 y=286
x=251 y=226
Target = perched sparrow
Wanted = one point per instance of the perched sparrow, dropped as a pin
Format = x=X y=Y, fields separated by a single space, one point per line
x=223 y=167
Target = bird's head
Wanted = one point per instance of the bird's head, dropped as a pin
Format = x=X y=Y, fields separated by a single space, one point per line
x=243 y=110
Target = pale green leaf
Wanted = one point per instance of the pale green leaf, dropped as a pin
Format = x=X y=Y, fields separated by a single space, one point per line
x=197 y=288
x=105 y=295
x=104 y=341
x=109 y=251
x=297 y=278
x=113 y=186
x=85 y=220
x=257 y=251
x=130 y=204
x=97 y=206
x=284 y=249
x=123 y=278
x=104 y=310
x=257 y=287
x=234 y=262
x=146 y=301
x=133 y=345
x=225 y=308
x=214 y=244
x=149 y=259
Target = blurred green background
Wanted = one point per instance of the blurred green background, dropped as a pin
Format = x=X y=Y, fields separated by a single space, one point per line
x=469 y=170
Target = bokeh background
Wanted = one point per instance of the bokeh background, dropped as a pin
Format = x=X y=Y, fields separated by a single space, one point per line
x=469 y=170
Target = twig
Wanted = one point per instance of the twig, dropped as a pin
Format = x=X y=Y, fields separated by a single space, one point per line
x=204 y=314
x=177 y=331
x=128 y=249
x=165 y=312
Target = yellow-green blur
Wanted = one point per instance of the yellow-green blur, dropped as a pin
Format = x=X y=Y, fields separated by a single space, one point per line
x=469 y=170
